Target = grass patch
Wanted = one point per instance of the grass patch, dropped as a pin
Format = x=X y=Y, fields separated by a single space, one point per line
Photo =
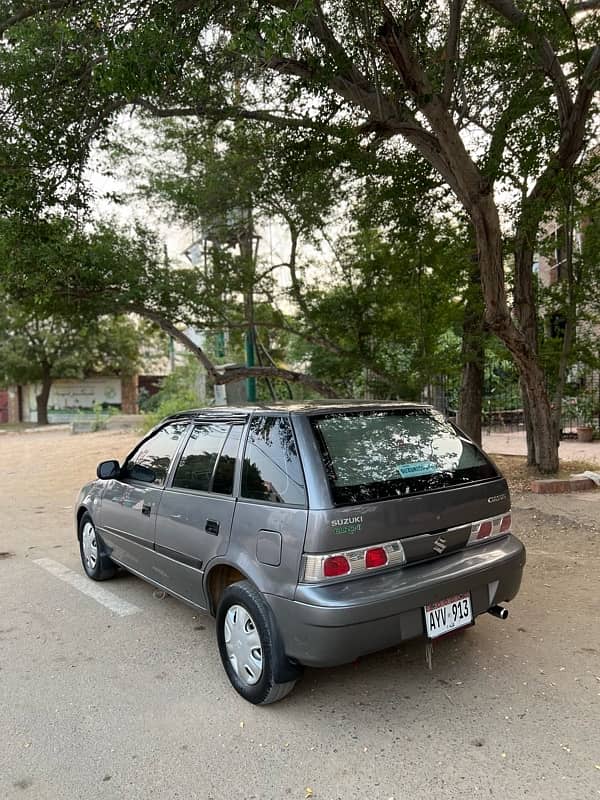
x=519 y=474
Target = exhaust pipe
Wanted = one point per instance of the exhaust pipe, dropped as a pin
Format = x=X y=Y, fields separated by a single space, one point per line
x=498 y=611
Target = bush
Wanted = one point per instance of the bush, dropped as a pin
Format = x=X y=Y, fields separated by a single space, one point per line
x=177 y=393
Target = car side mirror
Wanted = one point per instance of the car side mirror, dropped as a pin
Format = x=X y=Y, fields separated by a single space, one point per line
x=108 y=469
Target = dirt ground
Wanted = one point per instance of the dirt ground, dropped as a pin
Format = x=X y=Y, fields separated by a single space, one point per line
x=511 y=709
x=42 y=472
x=41 y=475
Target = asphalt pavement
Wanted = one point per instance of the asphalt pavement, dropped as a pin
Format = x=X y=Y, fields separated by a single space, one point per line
x=122 y=694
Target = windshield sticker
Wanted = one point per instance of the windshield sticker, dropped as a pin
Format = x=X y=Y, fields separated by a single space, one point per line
x=347 y=525
x=416 y=469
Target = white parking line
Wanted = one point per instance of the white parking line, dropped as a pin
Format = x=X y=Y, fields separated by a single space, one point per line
x=98 y=593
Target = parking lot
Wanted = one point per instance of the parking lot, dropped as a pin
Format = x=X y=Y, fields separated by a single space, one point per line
x=122 y=694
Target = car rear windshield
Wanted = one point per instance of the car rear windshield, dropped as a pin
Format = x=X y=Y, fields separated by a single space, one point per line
x=377 y=455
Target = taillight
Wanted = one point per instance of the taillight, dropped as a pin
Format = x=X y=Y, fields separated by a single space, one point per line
x=506 y=523
x=488 y=528
x=335 y=565
x=351 y=562
x=377 y=557
x=484 y=530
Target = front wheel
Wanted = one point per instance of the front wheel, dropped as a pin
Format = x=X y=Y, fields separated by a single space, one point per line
x=247 y=645
x=96 y=563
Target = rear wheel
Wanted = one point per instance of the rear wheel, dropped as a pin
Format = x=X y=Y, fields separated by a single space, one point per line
x=96 y=563
x=247 y=645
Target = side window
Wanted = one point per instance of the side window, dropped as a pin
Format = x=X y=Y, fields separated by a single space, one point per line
x=195 y=468
x=225 y=471
x=272 y=470
x=150 y=462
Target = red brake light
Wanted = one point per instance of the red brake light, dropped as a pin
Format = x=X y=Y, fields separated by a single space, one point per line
x=336 y=565
x=506 y=523
x=485 y=530
x=376 y=557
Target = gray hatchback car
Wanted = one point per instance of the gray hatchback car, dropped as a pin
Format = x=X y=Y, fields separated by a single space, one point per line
x=314 y=533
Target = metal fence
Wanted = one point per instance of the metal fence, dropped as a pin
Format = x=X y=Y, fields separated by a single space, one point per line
x=502 y=408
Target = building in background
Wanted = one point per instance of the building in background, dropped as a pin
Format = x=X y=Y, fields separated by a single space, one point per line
x=70 y=398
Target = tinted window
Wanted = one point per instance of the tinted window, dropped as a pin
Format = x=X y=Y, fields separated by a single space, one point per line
x=272 y=469
x=195 y=468
x=376 y=455
x=156 y=454
x=225 y=471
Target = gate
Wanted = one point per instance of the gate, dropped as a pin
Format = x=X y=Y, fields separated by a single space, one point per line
x=3 y=406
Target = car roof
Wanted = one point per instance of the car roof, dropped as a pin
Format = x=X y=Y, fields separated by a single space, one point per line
x=292 y=407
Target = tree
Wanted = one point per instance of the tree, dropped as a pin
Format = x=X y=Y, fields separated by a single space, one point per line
x=391 y=307
x=407 y=200
x=570 y=305
x=424 y=73
x=229 y=182
x=206 y=173
x=37 y=349
x=106 y=270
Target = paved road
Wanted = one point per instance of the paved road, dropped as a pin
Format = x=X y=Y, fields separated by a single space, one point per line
x=133 y=703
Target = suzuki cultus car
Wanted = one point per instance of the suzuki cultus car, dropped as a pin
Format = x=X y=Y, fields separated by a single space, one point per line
x=314 y=533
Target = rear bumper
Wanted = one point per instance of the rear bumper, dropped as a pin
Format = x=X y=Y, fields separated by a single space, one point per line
x=335 y=624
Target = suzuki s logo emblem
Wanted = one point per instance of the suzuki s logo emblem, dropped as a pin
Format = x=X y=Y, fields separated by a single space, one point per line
x=439 y=545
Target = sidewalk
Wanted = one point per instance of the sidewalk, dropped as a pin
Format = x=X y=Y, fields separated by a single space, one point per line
x=514 y=444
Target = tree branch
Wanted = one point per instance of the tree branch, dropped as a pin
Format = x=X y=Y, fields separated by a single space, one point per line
x=452 y=45
x=386 y=116
x=585 y=5
x=224 y=113
x=237 y=373
x=547 y=57
x=449 y=155
x=234 y=373
x=26 y=12
x=508 y=117
x=573 y=132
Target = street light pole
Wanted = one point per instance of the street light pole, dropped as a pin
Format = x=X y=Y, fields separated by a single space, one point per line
x=250 y=382
x=248 y=242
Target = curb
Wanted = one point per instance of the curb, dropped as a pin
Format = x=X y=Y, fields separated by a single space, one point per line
x=560 y=486
x=48 y=429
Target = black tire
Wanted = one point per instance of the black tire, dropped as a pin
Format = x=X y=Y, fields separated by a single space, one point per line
x=97 y=565
x=256 y=686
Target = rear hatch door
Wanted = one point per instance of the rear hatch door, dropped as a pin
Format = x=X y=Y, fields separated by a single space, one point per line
x=403 y=474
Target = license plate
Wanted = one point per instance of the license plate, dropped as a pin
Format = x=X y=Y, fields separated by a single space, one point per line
x=448 y=615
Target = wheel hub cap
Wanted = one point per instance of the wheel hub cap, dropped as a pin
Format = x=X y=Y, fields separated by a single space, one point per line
x=244 y=648
x=90 y=546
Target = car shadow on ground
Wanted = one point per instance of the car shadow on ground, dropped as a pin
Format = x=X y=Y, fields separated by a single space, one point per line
x=400 y=673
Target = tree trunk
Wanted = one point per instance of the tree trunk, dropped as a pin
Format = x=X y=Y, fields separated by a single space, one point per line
x=473 y=359
x=525 y=309
x=570 y=330
x=468 y=418
x=489 y=248
x=41 y=400
x=529 y=437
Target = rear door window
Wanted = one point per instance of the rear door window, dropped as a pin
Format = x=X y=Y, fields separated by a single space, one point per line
x=225 y=469
x=199 y=457
x=271 y=470
x=378 y=455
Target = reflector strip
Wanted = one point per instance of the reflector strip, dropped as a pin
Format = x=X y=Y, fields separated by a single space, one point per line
x=485 y=529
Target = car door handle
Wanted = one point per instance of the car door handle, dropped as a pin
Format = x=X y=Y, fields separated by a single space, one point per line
x=212 y=526
x=146 y=509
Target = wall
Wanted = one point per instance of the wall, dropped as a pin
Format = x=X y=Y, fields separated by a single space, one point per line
x=69 y=398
